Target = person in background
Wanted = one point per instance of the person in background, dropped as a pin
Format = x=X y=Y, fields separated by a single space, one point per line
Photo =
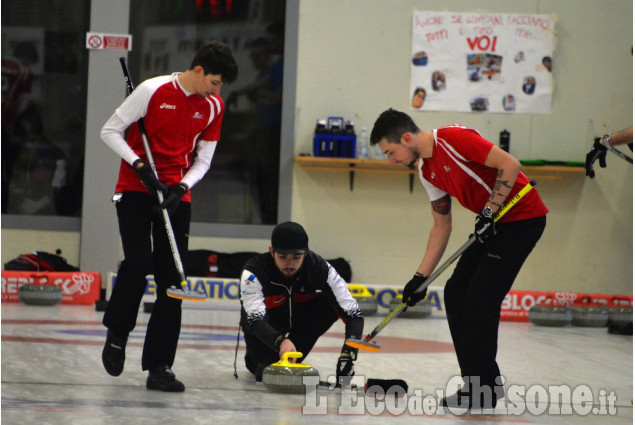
x=455 y=161
x=17 y=98
x=289 y=297
x=182 y=113
x=265 y=94
x=38 y=168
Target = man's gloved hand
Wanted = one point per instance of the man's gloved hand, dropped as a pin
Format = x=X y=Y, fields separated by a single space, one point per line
x=484 y=225
x=409 y=296
x=173 y=198
x=345 y=370
x=148 y=178
x=598 y=152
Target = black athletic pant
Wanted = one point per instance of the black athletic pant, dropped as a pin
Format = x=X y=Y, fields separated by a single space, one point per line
x=473 y=295
x=310 y=321
x=137 y=222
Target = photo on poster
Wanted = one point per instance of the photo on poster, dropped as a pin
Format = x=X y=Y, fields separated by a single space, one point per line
x=482 y=62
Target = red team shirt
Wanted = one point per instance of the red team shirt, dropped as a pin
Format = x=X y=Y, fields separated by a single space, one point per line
x=17 y=80
x=174 y=123
x=456 y=168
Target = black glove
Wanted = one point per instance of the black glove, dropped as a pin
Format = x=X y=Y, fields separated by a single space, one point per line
x=345 y=370
x=149 y=179
x=484 y=225
x=173 y=198
x=409 y=296
x=598 y=152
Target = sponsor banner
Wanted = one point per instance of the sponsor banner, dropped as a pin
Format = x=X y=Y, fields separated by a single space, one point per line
x=515 y=306
x=385 y=294
x=77 y=287
x=223 y=293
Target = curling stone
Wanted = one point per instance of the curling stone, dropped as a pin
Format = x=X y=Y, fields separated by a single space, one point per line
x=621 y=320
x=591 y=315
x=42 y=295
x=366 y=301
x=421 y=309
x=286 y=377
x=550 y=315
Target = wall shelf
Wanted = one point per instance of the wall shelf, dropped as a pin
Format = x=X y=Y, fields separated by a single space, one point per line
x=353 y=165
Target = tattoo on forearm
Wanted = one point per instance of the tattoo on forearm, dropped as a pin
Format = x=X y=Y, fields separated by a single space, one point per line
x=442 y=206
x=497 y=187
x=501 y=183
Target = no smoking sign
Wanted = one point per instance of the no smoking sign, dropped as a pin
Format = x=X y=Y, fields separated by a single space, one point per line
x=101 y=41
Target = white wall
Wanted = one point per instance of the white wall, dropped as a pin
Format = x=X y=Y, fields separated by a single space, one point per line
x=351 y=64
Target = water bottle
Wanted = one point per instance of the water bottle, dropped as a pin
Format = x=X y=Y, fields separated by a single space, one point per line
x=320 y=138
x=362 y=144
x=347 y=149
x=333 y=141
x=504 y=140
x=377 y=153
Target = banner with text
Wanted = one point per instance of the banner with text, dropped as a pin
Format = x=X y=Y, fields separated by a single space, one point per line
x=77 y=287
x=475 y=62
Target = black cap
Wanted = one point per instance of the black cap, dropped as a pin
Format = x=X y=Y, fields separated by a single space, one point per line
x=289 y=238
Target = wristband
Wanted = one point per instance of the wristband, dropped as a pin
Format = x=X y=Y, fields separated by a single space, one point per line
x=278 y=341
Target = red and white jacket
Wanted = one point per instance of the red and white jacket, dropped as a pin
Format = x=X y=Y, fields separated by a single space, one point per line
x=456 y=168
x=183 y=130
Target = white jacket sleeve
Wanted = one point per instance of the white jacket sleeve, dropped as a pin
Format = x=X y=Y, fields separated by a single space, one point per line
x=204 y=154
x=112 y=133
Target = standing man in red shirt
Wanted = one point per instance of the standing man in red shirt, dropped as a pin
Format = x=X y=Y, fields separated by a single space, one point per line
x=455 y=161
x=182 y=113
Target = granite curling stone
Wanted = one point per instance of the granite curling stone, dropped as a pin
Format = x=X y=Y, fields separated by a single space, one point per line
x=365 y=300
x=42 y=295
x=287 y=377
x=590 y=316
x=550 y=315
x=421 y=309
x=621 y=320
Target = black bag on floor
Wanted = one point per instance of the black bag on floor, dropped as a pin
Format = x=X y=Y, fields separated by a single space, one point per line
x=206 y=263
x=40 y=261
x=343 y=268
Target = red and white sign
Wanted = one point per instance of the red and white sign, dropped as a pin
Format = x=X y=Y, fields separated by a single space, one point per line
x=77 y=287
x=516 y=305
x=101 y=41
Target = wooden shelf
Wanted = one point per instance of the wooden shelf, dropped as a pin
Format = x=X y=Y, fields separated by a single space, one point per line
x=353 y=165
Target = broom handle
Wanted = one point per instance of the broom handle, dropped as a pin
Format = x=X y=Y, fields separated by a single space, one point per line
x=397 y=310
x=146 y=146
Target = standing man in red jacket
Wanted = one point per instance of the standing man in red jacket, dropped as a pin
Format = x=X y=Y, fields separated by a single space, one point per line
x=182 y=113
x=455 y=161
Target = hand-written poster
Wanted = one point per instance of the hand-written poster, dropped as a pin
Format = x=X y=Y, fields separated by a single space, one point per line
x=475 y=62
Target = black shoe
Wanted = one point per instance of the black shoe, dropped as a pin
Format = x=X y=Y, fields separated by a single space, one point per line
x=463 y=399
x=163 y=379
x=259 y=369
x=114 y=354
